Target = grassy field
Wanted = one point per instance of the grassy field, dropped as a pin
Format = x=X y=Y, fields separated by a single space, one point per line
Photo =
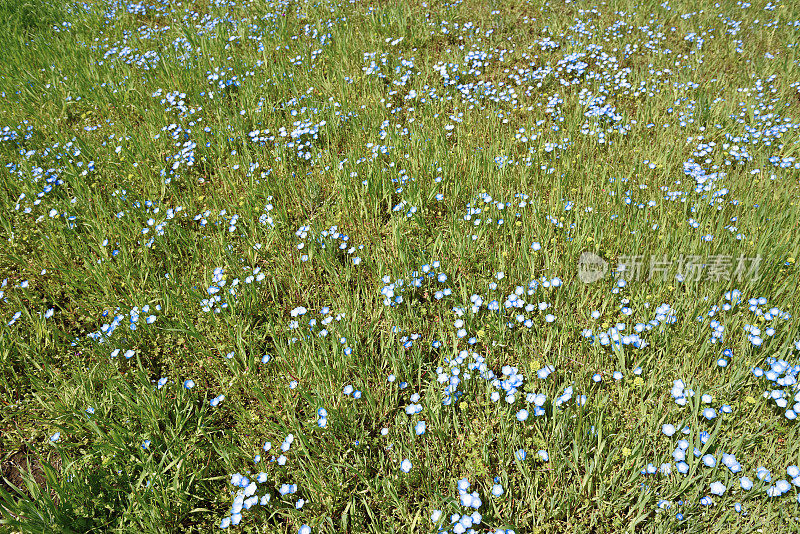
x=470 y=266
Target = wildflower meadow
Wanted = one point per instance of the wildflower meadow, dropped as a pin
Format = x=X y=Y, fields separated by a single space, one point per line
x=361 y=266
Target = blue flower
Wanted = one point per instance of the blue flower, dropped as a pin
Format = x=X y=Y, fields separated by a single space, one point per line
x=188 y=384
x=729 y=461
x=763 y=474
x=405 y=465
x=782 y=486
x=419 y=428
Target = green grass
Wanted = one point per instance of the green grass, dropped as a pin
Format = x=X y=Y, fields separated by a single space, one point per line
x=91 y=158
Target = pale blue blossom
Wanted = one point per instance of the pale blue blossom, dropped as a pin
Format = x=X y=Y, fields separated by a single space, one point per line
x=717 y=488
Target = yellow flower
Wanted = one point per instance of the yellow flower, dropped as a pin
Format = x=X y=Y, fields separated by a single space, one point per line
x=626 y=452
